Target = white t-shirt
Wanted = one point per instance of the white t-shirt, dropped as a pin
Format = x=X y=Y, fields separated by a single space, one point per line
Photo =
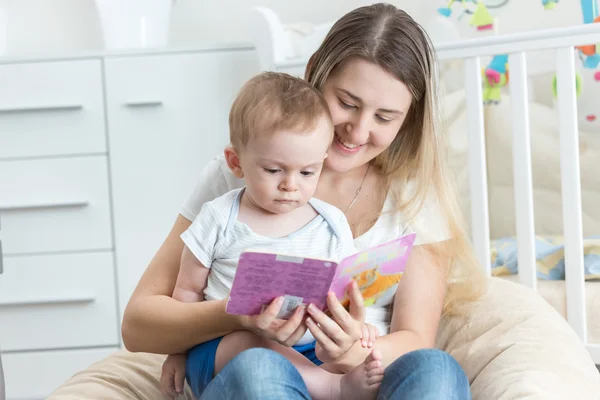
x=217 y=239
x=217 y=180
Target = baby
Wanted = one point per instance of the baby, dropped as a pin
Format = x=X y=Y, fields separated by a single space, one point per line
x=280 y=131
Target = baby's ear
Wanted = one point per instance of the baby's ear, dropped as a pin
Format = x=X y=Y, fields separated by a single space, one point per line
x=233 y=161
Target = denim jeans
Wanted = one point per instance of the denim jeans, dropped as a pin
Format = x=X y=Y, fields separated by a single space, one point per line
x=264 y=374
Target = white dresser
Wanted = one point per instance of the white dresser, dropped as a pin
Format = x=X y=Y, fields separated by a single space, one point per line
x=97 y=154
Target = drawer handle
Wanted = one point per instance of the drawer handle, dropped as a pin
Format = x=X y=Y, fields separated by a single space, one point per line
x=40 y=301
x=144 y=103
x=56 y=204
x=41 y=108
x=1 y=260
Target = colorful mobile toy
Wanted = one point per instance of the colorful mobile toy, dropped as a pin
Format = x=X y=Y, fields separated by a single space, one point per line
x=549 y=4
x=495 y=77
x=481 y=18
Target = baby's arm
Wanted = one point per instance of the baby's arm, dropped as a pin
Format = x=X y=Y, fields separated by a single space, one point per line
x=191 y=280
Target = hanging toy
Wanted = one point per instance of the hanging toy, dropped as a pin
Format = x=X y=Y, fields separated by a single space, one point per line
x=578 y=85
x=495 y=77
x=481 y=19
x=549 y=4
x=591 y=52
x=589 y=9
x=446 y=11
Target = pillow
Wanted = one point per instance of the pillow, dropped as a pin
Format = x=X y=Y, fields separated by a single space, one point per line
x=550 y=258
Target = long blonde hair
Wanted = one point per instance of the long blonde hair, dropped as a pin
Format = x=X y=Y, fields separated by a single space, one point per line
x=414 y=165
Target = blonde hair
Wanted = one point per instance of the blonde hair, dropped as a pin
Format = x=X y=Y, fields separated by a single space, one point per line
x=271 y=102
x=391 y=39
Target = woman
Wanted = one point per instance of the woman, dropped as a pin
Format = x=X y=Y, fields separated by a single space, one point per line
x=386 y=170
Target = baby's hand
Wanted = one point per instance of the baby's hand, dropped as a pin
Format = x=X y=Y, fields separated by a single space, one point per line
x=173 y=375
x=369 y=334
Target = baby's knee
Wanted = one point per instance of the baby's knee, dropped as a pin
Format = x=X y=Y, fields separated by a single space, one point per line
x=246 y=339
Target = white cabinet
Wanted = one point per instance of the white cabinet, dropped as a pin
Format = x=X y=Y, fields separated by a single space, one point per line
x=53 y=205
x=97 y=155
x=51 y=108
x=168 y=116
x=58 y=301
x=57 y=287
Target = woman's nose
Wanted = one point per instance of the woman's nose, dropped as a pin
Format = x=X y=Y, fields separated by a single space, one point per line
x=358 y=130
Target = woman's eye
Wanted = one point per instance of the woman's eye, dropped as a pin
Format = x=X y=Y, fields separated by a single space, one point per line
x=383 y=119
x=345 y=105
x=272 y=170
x=307 y=173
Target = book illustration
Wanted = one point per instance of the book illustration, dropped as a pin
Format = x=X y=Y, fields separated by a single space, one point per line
x=376 y=270
x=374 y=286
x=260 y=277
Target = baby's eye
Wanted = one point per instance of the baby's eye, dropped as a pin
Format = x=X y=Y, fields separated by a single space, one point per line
x=272 y=170
x=307 y=173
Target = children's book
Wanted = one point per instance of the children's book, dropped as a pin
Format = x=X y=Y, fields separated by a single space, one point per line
x=261 y=277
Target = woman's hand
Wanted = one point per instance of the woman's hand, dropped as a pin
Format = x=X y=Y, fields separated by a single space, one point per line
x=269 y=326
x=335 y=336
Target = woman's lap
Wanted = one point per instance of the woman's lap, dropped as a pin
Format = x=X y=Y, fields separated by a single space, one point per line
x=200 y=363
x=264 y=374
x=425 y=374
x=257 y=373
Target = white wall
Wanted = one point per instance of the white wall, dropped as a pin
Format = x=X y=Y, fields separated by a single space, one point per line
x=50 y=26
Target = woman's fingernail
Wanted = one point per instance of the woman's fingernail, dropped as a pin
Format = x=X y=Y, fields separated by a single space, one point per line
x=279 y=301
x=309 y=321
x=312 y=308
x=354 y=285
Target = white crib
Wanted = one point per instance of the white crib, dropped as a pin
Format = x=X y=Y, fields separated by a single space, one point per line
x=276 y=52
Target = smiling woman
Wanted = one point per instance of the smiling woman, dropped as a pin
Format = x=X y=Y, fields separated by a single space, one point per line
x=368 y=106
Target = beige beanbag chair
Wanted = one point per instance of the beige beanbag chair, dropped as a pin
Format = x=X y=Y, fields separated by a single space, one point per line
x=511 y=344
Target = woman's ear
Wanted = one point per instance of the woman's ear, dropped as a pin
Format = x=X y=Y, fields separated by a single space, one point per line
x=233 y=161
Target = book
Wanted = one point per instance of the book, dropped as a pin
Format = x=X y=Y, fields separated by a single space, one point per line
x=261 y=277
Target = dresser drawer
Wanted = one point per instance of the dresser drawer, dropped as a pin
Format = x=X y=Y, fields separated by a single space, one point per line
x=35 y=375
x=52 y=108
x=58 y=301
x=51 y=205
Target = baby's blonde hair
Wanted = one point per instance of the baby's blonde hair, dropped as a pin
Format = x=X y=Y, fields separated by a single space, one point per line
x=390 y=38
x=271 y=102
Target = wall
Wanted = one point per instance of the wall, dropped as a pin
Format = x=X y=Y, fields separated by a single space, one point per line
x=50 y=26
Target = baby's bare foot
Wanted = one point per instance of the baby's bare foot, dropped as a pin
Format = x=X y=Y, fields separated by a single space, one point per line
x=362 y=383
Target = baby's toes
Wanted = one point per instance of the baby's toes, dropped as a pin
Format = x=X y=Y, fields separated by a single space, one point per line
x=374 y=380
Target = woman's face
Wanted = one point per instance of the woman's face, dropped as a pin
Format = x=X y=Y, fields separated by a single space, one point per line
x=368 y=106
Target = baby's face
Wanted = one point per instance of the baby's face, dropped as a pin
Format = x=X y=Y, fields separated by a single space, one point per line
x=281 y=170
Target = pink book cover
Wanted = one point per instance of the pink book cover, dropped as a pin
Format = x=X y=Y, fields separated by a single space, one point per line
x=260 y=277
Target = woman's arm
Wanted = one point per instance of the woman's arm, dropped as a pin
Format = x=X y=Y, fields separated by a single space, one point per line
x=156 y=323
x=417 y=310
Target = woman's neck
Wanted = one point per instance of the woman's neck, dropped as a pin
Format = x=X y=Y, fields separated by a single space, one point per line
x=339 y=180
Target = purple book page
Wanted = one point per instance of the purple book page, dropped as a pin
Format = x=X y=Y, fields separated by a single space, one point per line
x=383 y=260
x=261 y=277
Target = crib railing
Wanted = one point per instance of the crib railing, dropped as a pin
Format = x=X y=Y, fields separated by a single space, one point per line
x=562 y=41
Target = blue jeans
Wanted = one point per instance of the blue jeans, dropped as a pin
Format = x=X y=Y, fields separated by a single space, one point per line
x=264 y=374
